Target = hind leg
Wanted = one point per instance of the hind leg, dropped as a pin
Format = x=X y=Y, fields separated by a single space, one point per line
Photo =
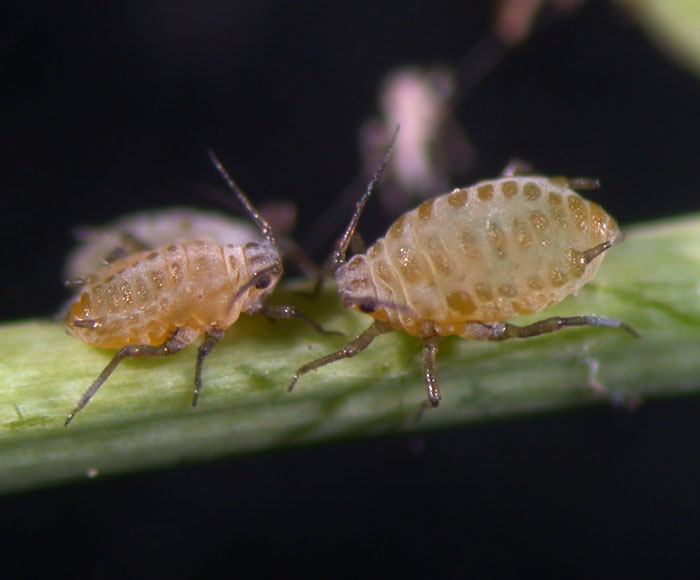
x=505 y=330
x=171 y=346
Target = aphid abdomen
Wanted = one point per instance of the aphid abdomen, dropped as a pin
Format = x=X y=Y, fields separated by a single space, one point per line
x=486 y=253
x=144 y=298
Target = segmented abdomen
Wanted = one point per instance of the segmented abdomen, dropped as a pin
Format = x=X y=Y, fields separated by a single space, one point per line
x=485 y=253
x=143 y=298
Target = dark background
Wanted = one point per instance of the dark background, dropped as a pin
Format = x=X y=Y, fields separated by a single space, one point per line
x=110 y=108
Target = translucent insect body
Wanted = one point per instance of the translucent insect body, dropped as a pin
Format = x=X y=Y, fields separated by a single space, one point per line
x=464 y=262
x=157 y=302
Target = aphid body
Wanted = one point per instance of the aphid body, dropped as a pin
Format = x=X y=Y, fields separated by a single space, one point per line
x=156 y=302
x=466 y=261
x=188 y=287
x=484 y=253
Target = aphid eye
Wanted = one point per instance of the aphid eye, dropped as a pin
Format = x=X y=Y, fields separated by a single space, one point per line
x=263 y=282
x=367 y=307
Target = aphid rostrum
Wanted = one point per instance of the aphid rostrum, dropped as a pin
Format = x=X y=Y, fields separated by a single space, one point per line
x=465 y=262
x=157 y=302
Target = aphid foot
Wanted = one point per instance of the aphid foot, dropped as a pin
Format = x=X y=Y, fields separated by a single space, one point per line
x=293 y=382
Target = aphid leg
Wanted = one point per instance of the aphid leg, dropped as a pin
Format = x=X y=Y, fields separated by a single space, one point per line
x=430 y=348
x=130 y=244
x=277 y=312
x=115 y=254
x=133 y=243
x=170 y=346
x=211 y=339
x=505 y=330
x=293 y=252
x=349 y=350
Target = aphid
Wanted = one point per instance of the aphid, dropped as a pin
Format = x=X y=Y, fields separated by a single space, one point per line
x=464 y=262
x=156 y=302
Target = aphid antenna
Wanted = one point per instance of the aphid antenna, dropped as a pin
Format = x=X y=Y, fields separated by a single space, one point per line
x=262 y=224
x=341 y=248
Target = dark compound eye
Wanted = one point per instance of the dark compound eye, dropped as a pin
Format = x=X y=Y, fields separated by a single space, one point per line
x=263 y=282
x=367 y=307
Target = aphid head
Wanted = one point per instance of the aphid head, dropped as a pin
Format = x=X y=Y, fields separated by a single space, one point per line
x=265 y=265
x=264 y=268
x=356 y=289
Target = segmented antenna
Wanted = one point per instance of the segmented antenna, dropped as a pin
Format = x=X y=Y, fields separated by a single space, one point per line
x=341 y=247
x=263 y=226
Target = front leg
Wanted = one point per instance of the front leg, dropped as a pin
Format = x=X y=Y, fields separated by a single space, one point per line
x=353 y=348
x=276 y=312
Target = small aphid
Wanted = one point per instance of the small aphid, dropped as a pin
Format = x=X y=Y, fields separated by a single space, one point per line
x=156 y=302
x=464 y=262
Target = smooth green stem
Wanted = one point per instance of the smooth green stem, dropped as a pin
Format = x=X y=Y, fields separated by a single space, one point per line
x=142 y=417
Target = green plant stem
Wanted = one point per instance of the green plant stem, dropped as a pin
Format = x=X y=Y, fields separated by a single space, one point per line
x=142 y=417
